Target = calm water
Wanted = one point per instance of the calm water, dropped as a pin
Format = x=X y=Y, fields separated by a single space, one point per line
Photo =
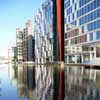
x=43 y=83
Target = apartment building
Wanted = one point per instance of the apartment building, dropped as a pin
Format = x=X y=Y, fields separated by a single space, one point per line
x=25 y=43
x=82 y=31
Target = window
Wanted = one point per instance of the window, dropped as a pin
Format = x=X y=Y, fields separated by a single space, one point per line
x=73 y=16
x=91 y=36
x=67 y=4
x=98 y=35
x=72 y=1
x=69 y=10
x=82 y=29
x=68 y=18
x=74 y=22
x=75 y=6
x=94 y=25
x=65 y=20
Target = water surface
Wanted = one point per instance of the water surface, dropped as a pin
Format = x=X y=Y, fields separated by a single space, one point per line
x=46 y=82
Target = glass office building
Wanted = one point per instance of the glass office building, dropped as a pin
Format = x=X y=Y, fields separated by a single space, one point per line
x=44 y=33
x=83 y=15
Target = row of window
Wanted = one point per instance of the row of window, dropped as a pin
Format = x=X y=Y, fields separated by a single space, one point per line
x=69 y=10
x=73 y=23
x=83 y=2
x=88 y=8
x=48 y=12
x=72 y=33
x=90 y=17
x=80 y=39
x=94 y=25
x=97 y=36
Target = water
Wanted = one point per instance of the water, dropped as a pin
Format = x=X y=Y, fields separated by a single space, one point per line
x=44 y=83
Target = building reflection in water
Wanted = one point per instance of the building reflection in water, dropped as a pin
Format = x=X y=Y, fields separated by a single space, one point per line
x=26 y=82
x=82 y=84
x=12 y=75
x=43 y=82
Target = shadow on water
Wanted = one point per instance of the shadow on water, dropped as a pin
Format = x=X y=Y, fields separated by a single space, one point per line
x=51 y=82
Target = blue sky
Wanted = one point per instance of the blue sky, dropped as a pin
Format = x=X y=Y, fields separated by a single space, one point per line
x=13 y=14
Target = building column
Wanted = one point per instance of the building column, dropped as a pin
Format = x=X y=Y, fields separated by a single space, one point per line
x=82 y=59
x=67 y=59
x=75 y=59
x=95 y=54
x=90 y=56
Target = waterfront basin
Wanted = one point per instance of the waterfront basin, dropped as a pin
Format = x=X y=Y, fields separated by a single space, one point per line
x=45 y=82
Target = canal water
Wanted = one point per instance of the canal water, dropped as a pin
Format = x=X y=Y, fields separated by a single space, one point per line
x=49 y=83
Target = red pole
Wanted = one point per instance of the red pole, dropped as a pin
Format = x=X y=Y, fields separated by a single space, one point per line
x=60 y=22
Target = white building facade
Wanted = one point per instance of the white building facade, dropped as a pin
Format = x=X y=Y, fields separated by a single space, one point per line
x=83 y=15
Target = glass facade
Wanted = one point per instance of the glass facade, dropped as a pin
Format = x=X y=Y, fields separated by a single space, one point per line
x=83 y=2
x=94 y=25
x=91 y=36
x=95 y=4
x=44 y=33
x=90 y=17
x=98 y=35
x=69 y=11
x=67 y=4
x=83 y=12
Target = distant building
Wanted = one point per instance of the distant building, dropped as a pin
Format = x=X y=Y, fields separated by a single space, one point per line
x=28 y=42
x=25 y=43
x=19 y=43
x=14 y=50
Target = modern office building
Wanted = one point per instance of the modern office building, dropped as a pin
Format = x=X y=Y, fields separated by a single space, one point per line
x=19 y=44
x=26 y=43
x=82 y=31
x=44 y=33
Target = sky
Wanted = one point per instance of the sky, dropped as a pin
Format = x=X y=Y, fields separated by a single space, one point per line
x=14 y=14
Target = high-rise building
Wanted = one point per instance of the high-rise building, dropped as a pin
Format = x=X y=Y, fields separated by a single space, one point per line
x=82 y=41
x=44 y=33
x=19 y=44
x=26 y=43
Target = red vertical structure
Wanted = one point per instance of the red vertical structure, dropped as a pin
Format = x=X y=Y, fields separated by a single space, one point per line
x=60 y=23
